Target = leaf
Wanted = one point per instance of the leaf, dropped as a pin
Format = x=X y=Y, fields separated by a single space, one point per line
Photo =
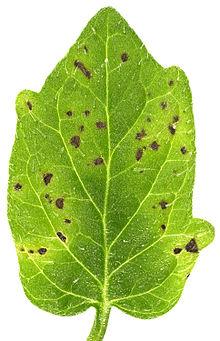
x=101 y=177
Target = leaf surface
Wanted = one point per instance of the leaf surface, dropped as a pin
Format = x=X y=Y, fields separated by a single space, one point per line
x=101 y=179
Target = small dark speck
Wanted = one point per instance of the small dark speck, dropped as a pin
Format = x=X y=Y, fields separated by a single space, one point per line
x=163 y=204
x=29 y=104
x=100 y=125
x=47 y=178
x=67 y=221
x=154 y=145
x=81 y=128
x=177 y=250
x=192 y=246
x=187 y=276
x=61 y=236
x=124 y=57
x=17 y=187
x=85 y=49
x=98 y=161
x=78 y=64
x=86 y=113
x=175 y=118
x=140 y=135
x=163 y=226
x=163 y=105
x=172 y=128
x=31 y=251
x=139 y=154
x=171 y=82
x=60 y=203
x=183 y=150
x=42 y=251
x=69 y=113
x=75 y=141
x=47 y=196
x=22 y=249
x=148 y=119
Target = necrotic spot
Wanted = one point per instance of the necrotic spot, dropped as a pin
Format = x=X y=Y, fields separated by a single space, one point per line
x=140 y=135
x=47 y=178
x=31 y=251
x=183 y=150
x=163 y=227
x=175 y=118
x=171 y=82
x=42 y=251
x=177 y=250
x=163 y=105
x=192 y=246
x=61 y=236
x=139 y=154
x=17 y=186
x=81 y=128
x=75 y=141
x=47 y=196
x=29 y=104
x=98 y=161
x=86 y=113
x=124 y=57
x=69 y=113
x=154 y=145
x=60 y=203
x=67 y=221
x=82 y=68
x=100 y=125
x=172 y=128
x=163 y=204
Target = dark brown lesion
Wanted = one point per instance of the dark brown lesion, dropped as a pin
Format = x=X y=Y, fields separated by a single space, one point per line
x=78 y=64
x=42 y=251
x=29 y=105
x=176 y=118
x=48 y=198
x=163 y=227
x=85 y=48
x=81 y=128
x=124 y=57
x=140 y=135
x=163 y=105
x=172 y=129
x=192 y=246
x=47 y=178
x=59 y=203
x=75 y=141
x=101 y=125
x=183 y=150
x=99 y=161
x=67 y=221
x=31 y=251
x=163 y=204
x=177 y=250
x=17 y=186
x=69 y=113
x=139 y=154
x=171 y=82
x=61 y=236
x=154 y=145
x=86 y=113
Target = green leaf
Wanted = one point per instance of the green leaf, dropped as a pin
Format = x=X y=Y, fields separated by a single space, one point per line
x=101 y=178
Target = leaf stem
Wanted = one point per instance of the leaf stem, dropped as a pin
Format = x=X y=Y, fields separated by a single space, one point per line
x=100 y=324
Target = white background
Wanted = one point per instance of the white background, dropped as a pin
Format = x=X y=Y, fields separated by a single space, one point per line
x=34 y=36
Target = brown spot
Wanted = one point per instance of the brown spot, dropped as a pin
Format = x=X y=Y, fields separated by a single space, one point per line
x=42 y=251
x=175 y=118
x=29 y=104
x=163 y=226
x=154 y=145
x=22 y=249
x=177 y=250
x=163 y=204
x=31 y=251
x=141 y=171
x=140 y=135
x=86 y=113
x=100 y=125
x=124 y=57
x=47 y=178
x=61 y=236
x=69 y=113
x=17 y=186
x=67 y=221
x=60 y=203
x=183 y=150
x=192 y=246
x=171 y=82
x=163 y=105
x=148 y=119
x=172 y=128
x=98 y=161
x=75 y=141
x=139 y=154
x=81 y=128
x=47 y=196
x=85 y=49
x=83 y=69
